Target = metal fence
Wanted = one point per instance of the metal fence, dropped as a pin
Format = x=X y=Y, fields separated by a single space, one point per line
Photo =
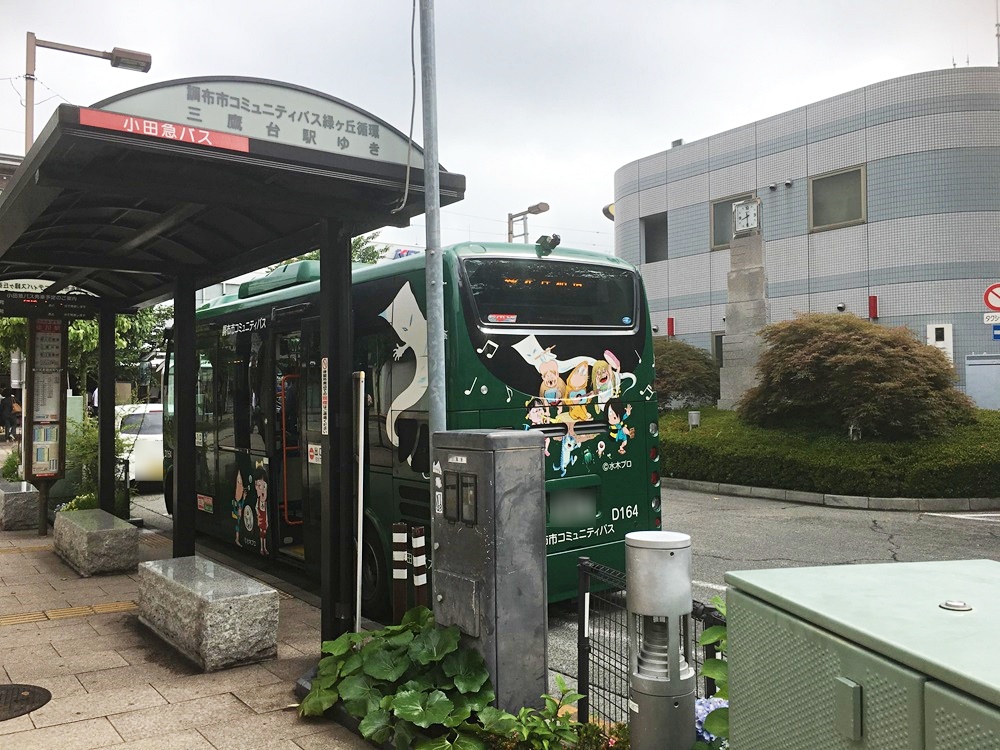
x=602 y=643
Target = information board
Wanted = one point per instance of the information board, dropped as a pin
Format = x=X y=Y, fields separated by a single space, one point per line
x=40 y=305
x=44 y=411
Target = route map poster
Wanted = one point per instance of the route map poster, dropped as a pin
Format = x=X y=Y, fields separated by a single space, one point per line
x=45 y=401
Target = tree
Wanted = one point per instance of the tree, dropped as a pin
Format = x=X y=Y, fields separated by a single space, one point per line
x=363 y=250
x=843 y=373
x=685 y=375
x=135 y=336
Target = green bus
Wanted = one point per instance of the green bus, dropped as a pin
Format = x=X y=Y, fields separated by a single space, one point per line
x=557 y=341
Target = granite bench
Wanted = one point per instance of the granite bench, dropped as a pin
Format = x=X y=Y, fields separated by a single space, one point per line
x=95 y=541
x=18 y=506
x=213 y=615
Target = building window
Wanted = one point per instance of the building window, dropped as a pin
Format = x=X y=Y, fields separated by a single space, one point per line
x=717 y=348
x=837 y=199
x=654 y=238
x=722 y=220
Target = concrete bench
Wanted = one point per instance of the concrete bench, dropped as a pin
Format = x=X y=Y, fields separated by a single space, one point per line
x=18 y=506
x=215 y=616
x=95 y=541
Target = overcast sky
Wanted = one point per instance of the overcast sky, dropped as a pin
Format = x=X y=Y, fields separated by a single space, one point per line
x=537 y=101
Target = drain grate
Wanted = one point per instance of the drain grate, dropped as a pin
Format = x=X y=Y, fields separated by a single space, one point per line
x=17 y=700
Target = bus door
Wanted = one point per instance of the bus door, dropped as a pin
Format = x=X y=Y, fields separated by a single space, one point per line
x=287 y=473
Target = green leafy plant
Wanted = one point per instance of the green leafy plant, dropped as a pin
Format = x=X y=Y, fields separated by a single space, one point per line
x=532 y=729
x=411 y=683
x=11 y=469
x=83 y=460
x=717 y=722
x=415 y=685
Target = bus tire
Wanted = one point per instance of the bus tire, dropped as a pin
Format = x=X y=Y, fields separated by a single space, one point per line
x=374 y=577
x=168 y=492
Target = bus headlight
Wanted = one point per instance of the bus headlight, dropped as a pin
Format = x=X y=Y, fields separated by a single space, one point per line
x=654 y=429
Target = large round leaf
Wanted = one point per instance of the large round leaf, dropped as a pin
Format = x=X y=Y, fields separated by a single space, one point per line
x=385 y=664
x=317 y=702
x=376 y=726
x=361 y=694
x=497 y=721
x=467 y=668
x=423 y=709
x=418 y=618
x=433 y=644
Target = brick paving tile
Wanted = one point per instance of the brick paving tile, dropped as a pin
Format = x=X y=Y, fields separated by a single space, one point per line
x=80 y=735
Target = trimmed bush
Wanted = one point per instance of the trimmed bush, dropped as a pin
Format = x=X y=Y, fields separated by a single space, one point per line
x=685 y=375
x=838 y=372
x=723 y=449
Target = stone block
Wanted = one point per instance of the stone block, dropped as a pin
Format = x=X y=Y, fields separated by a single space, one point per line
x=746 y=285
x=213 y=615
x=18 y=506
x=745 y=317
x=746 y=252
x=95 y=541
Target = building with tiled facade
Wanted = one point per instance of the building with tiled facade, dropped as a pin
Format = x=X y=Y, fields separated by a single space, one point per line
x=883 y=202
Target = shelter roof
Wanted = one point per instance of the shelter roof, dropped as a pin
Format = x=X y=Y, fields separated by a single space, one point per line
x=118 y=204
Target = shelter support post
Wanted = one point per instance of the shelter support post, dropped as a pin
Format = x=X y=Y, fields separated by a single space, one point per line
x=43 y=507
x=336 y=347
x=106 y=409
x=185 y=384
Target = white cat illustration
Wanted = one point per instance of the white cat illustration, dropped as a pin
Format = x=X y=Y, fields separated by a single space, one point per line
x=404 y=315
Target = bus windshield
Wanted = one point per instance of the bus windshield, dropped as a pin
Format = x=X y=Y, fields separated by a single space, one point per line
x=519 y=292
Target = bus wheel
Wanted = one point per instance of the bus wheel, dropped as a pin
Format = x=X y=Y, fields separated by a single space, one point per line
x=168 y=492
x=374 y=577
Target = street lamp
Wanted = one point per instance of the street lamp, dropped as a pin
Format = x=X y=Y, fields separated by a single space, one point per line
x=119 y=57
x=538 y=208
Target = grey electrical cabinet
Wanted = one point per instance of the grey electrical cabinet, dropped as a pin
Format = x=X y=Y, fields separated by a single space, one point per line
x=488 y=571
x=893 y=655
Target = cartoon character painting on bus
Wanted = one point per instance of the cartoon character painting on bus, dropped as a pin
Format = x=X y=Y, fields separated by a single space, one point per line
x=260 y=489
x=246 y=498
x=578 y=389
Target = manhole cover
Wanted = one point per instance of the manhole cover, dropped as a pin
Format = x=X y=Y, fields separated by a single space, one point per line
x=17 y=700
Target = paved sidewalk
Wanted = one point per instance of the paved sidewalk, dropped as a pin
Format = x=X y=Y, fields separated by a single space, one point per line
x=115 y=684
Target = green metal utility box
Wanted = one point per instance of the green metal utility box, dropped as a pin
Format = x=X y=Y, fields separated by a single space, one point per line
x=894 y=656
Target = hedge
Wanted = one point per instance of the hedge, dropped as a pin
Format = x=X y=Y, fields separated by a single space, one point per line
x=964 y=463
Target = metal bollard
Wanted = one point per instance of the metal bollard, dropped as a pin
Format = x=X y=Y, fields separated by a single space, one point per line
x=661 y=679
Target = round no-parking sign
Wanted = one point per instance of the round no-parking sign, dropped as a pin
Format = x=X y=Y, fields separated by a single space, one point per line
x=992 y=297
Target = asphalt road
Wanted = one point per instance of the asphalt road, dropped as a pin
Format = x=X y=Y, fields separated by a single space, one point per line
x=736 y=533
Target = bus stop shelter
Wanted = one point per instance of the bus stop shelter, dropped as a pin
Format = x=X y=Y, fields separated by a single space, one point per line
x=163 y=190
